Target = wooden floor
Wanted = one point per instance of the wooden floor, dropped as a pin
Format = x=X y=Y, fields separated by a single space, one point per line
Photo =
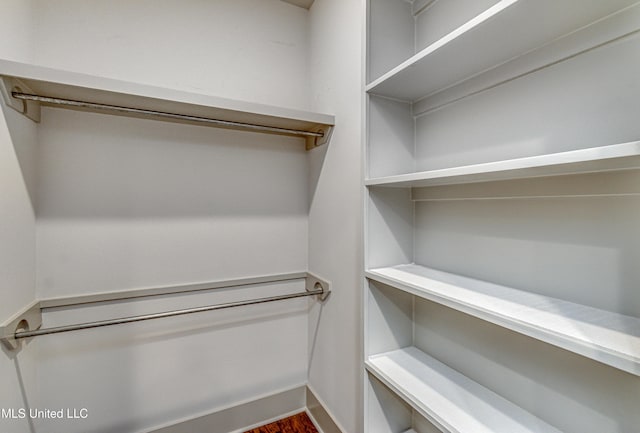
x=299 y=423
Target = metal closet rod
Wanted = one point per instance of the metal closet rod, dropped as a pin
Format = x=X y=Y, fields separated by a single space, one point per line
x=165 y=115
x=110 y=322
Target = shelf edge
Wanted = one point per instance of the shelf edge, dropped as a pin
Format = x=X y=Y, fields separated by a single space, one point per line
x=613 y=358
x=556 y=164
x=464 y=28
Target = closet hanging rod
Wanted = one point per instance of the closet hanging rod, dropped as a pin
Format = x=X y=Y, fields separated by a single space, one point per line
x=318 y=290
x=165 y=115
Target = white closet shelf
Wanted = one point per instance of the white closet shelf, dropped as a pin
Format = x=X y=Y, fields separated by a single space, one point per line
x=448 y=399
x=604 y=336
x=594 y=159
x=52 y=87
x=487 y=41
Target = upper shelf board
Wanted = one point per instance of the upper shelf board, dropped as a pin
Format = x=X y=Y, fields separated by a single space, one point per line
x=594 y=159
x=503 y=32
x=607 y=337
x=450 y=400
x=154 y=102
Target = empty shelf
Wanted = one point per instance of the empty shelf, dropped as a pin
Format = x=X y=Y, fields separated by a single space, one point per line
x=501 y=33
x=90 y=93
x=610 y=338
x=589 y=160
x=448 y=399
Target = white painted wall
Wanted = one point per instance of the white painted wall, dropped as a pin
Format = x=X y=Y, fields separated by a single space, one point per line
x=125 y=203
x=17 y=222
x=251 y=50
x=137 y=377
x=17 y=23
x=17 y=257
x=17 y=146
x=335 y=220
x=128 y=203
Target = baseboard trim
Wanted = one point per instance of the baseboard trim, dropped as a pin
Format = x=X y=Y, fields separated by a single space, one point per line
x=319 y=414
x=247 y=415
x=243 y=416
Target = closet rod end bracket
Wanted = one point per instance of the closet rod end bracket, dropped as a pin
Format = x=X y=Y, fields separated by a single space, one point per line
x=27 y=319
x=313 y=142
x=30 y=109
x=315 y=283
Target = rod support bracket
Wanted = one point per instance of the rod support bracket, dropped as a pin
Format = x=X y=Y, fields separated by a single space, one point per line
x=314 y=282
x=313 y=142
x=27 y=319
x=31 y=109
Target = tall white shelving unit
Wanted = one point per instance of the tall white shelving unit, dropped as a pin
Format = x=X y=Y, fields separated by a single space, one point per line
x=502 y=206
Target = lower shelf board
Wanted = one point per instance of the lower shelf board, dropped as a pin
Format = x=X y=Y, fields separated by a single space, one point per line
x=607 y=337
x=448 y=399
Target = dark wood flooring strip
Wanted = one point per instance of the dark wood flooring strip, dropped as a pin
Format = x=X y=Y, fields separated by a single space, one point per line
x=298 y=423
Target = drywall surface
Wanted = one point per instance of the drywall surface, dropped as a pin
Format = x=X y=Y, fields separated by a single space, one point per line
x=584 y=250
x=17 y=261
x=17 y=225
x=17 y=231
x=17 y=373
x=141 y=376
x=251 y=50
x=15 y=32
x=17 y=146
x=127 y=203
x=335 y=219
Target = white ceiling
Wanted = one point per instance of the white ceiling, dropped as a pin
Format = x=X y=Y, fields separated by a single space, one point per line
x=302 y=3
